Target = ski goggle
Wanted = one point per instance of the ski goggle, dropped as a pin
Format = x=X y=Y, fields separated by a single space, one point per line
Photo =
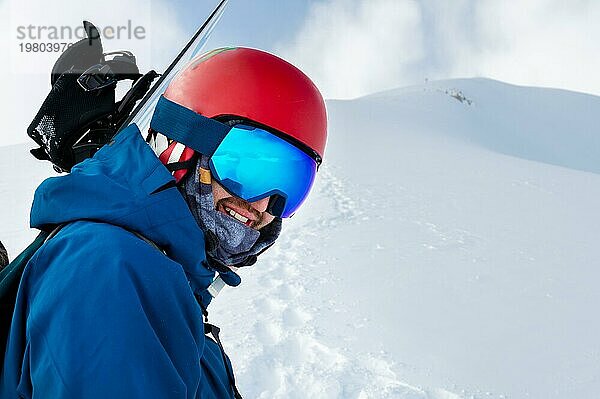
x=252 y=164
x=248 y=161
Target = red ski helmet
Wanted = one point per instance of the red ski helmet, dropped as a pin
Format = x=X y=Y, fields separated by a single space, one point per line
x=247 y=86
x=257 y=86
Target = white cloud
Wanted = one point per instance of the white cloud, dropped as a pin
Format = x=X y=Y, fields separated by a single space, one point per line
x=539 y=42
x=26 y=76
x=350 y=48
x=354 y=47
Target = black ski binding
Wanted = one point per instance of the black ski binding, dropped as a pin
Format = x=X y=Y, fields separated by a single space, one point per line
x=81 y=114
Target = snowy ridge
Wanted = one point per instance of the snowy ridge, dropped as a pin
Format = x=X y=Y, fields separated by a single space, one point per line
x=449 y=251
x=542 y=124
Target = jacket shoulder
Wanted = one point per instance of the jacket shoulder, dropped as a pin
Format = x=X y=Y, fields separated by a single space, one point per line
x=87 y=260
x=98 y=247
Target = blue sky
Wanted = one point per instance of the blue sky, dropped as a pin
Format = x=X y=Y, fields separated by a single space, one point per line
x=256 y=23
x=265 y=24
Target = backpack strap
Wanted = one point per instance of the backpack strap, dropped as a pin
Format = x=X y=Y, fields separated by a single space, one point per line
x=147 y=241
x=10 y=278
x=214 y=331
x=55 y=231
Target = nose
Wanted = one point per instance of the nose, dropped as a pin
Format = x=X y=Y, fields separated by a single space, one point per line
x=261 y=205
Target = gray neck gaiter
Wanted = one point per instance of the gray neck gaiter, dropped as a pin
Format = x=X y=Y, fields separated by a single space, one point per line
x=228 y=241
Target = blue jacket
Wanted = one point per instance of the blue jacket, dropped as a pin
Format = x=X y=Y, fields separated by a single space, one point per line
x=100 y=313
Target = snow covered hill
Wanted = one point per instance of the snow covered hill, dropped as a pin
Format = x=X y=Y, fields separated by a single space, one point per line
x=449 y=251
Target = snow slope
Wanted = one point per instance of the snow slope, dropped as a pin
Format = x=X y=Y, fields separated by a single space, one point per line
x=448 y=251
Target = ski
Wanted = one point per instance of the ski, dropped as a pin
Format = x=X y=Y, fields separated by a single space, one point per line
x=142 y=114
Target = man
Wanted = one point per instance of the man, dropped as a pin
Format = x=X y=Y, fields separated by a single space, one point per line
x=111 y=306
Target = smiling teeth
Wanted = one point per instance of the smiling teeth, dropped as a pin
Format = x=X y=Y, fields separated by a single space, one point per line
x=236 y=215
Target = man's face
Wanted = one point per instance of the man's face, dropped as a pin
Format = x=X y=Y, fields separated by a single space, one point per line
x=252 y=214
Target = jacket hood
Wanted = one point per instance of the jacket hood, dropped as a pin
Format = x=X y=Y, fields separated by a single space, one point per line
x=126 y=185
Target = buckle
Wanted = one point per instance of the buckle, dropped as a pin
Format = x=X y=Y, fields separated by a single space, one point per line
x=97 y=77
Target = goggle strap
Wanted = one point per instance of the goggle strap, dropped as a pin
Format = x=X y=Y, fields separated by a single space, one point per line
x=276 y=205
x=187 y=127
x=172 y=167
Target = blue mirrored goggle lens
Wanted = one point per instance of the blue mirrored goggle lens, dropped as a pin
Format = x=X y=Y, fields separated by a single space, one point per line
x=252 y=164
